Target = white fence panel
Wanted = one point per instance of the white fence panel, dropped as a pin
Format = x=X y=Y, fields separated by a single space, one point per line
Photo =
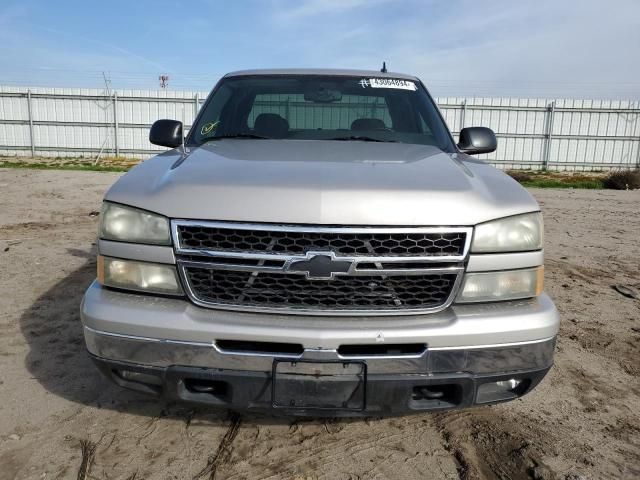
x=561 y=134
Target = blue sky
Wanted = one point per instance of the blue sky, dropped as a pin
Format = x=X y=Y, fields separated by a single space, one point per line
x=561 y=48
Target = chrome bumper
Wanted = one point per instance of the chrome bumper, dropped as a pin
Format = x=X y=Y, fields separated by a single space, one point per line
x=459 y=326
x=488 y=359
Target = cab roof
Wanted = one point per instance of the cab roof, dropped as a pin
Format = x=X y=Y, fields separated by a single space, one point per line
x=322 y=71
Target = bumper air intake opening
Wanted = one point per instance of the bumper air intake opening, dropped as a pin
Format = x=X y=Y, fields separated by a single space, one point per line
x=382 y=350
x=215 y=388
x=436 y=396
x=137 y=380
x=259 y=348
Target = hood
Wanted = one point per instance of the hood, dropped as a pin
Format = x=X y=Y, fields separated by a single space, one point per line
x=322 y=182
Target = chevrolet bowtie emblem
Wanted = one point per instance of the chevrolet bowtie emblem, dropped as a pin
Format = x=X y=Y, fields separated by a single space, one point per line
x=320 y=266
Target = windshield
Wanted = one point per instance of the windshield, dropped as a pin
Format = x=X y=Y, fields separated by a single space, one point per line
x=312 y=107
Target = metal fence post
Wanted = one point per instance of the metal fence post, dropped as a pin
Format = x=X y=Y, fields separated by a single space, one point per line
x=196 y=105
x=638 y=148
x=115 y=123
x=548 y=135
x=463 y=111
x=31 y=139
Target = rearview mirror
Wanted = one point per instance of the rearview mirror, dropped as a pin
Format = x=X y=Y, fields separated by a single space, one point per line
x=475 y=140
x=323 y=95
x=166 y=133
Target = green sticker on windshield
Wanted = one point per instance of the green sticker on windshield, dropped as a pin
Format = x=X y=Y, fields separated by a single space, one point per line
x=207 y=128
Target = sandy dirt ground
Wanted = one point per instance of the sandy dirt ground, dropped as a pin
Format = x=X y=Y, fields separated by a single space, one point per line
x=60 y=419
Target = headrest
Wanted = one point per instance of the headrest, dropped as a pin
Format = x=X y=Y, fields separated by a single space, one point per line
x=368 y=124
x=271 y=125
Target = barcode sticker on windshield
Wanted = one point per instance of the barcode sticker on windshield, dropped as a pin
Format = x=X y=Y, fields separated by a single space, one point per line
x=388 y=83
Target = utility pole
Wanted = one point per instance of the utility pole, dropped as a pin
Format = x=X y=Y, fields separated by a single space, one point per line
x=107 y=84
x=107 y=95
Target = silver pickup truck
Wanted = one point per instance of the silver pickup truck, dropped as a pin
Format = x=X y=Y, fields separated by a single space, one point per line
x=318 y=244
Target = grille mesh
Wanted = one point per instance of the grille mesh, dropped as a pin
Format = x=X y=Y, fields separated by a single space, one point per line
x=273 y=290
x=298 y=243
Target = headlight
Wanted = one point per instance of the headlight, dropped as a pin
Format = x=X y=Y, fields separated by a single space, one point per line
x=512 y=234
x=128 y=224
x=139 y=276
x=506 y=285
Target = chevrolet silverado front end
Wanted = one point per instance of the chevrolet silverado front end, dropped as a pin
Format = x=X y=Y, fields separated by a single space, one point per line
x=318 y=245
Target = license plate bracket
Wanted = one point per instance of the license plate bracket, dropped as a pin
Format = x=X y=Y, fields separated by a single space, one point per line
x=319 y=385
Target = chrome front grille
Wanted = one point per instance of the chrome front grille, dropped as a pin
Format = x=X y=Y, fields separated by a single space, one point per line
x=356 y=293
x=320 y=270
x=339 y=241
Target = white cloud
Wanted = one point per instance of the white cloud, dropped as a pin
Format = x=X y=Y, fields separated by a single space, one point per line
x=546 y=48
x=502 y=48
x=110 y=47
x=286 y=10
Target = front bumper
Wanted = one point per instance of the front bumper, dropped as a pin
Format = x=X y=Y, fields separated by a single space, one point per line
x=173 y=348
x=180 y=320
x=374 y=395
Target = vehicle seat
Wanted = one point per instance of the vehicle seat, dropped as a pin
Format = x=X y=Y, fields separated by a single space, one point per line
x=271 y=125
x=368 y=124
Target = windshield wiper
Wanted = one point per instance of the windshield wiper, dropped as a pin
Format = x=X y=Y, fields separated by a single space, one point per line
x=236 y=135
x=363 y=138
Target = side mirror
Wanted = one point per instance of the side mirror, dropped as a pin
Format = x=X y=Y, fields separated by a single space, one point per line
x=475 y=140
x=166 y=133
